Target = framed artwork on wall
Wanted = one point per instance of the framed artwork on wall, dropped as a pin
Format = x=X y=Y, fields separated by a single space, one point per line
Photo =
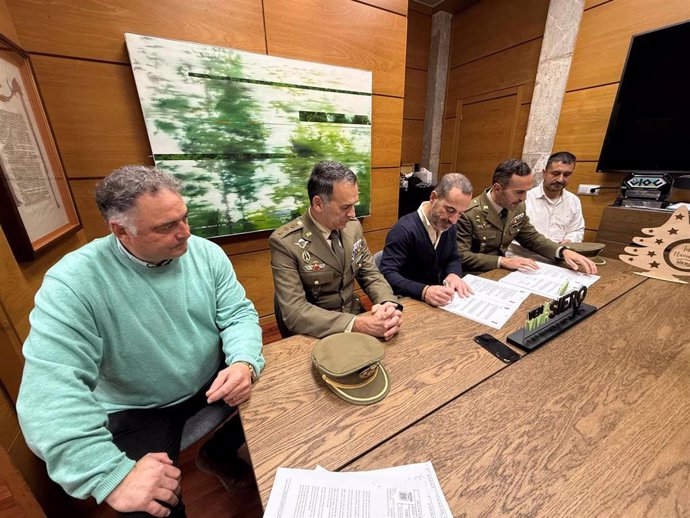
x=36 y=206
x=243 y=130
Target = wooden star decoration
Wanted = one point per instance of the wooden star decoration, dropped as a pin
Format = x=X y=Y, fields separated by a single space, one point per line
x=673 y=231
x=654 y=264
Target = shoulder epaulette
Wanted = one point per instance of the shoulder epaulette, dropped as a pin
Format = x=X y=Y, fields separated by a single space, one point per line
x=289 y=227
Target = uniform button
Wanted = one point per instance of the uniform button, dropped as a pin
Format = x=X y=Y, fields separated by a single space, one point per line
x=316 y=282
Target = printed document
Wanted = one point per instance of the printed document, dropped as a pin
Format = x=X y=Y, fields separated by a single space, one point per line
x=492 y=304
x=409 y=491
x=549 y=279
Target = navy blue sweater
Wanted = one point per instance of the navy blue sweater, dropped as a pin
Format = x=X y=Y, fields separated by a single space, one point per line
x=409 y=260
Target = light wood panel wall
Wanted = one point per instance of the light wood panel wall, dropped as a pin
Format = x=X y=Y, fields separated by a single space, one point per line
x=79 y=57
x=495 y=46
x=416 y=69
x=598 y=60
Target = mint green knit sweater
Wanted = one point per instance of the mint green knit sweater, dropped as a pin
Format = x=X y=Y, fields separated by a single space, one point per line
x=108 y=334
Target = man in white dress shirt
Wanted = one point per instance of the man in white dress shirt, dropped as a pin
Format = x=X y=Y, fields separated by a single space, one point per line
x=554 y=212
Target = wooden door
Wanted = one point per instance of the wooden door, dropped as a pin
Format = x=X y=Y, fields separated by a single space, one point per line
x=486 y=132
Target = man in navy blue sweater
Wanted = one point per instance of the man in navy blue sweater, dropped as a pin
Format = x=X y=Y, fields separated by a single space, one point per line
x=420 y=258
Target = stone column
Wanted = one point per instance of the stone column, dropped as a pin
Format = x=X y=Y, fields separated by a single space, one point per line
x=560 y=34
x=437 y=77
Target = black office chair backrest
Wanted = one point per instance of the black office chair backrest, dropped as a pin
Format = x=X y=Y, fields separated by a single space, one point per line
x=282 y=328
x=377 y=259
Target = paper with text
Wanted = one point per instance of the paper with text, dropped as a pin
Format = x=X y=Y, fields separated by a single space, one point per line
x=549 y=279
x=492 y=304
x=402 y=492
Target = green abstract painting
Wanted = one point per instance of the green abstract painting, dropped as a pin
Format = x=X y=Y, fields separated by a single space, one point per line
x=244 y=130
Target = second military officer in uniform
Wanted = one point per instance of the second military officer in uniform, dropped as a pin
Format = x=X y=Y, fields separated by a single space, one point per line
x=497 y=217
x=317 y=257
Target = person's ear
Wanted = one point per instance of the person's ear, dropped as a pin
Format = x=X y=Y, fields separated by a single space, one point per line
x=119 y=230
x=317 y=203
x=433 y=197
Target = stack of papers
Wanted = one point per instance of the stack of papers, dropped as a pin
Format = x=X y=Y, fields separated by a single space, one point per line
x=548 y=280
x=492 y=304
x=410 y=491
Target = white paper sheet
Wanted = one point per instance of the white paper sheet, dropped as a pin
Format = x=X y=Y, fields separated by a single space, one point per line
x=492 y=304
x=409 y=491
x=549 y=279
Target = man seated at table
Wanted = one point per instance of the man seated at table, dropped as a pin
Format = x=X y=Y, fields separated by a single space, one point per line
x=317 y=257
x=420 y=258
x=132 y=334
x=498 y=216
x=554 y=211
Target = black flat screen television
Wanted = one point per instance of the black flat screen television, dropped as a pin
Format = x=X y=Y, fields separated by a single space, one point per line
x=649 y=128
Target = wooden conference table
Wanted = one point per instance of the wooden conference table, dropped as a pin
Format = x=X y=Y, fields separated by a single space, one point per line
x=512 y=438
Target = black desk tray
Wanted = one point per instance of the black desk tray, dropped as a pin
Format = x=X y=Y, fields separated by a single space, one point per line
x=550 y=331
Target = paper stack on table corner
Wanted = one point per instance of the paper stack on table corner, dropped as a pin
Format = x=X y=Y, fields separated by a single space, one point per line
x=410 y=491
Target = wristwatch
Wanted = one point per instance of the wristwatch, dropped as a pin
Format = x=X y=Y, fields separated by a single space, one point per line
x=252 y=372
x=559 y=252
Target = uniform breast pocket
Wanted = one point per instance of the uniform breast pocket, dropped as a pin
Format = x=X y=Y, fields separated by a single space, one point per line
x=316 y=282
x=513 y=230
x=484 y=237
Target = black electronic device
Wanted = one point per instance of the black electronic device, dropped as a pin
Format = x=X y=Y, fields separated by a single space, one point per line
x=648 y=131
x=497 y=348
x=645 y=190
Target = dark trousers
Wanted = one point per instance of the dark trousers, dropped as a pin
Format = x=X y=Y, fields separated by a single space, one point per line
x=140 y=431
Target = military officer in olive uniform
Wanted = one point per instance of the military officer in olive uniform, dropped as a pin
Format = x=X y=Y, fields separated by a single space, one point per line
x=317 y=257
x=497 y=217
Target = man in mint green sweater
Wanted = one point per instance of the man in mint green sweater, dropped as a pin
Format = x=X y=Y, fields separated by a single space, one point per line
x=130 y=335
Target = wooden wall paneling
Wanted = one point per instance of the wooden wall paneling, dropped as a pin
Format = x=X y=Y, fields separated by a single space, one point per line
x=593 y=206
x=253 y=270
x=83 y=192
x=415 y=94
x=20 y=282
x=413 y=138
x=12 y=360
x=6 y=25
x=605 y=32
x=9 y=426
x=95 y=115
x=491 y=26
x=521 y=130
x=593 y=3
x=396 y=6
x=386 y=131
x=484 y=137
x=444 y=169
x=447 y=140
x=419 y=8
x=509 y=68
x=385 y=184
x=418 y=40
x=16 y=499
x=376 y=240
x=583 y=121
x=94 y=29
x=590 y=236
x=514 y=142
x=349 y=34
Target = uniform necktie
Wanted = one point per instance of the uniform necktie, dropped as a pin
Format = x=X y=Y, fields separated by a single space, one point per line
x=337 y=247
x=503 y=215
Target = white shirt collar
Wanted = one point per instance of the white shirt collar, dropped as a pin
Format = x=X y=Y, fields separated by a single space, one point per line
x=135 y=259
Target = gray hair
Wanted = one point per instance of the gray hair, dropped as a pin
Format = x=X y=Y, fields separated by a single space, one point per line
x=453 y=181
x=117 y=193
x=324 y=175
